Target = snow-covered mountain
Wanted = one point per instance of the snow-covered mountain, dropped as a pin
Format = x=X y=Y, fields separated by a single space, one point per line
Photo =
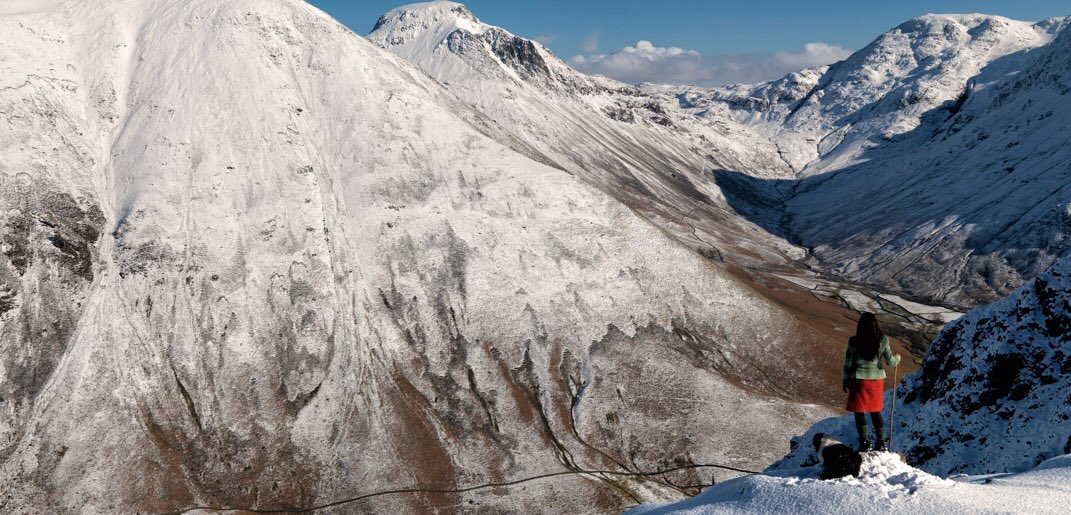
x=964 y=208
x=251 y=260
x=827 y=158
x=929 y=162
x=638 y=145
x=825 y=118
x=988 y=409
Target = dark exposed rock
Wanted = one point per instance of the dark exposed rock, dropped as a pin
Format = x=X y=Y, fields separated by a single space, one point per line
x=519 y=53
x=46 y=271
x=7 y=298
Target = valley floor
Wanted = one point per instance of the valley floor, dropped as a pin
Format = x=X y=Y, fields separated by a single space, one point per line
x=885 y=485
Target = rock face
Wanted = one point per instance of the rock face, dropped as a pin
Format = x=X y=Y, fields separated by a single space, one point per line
x=992 y=395
x=1002 y=373
x=251 y=260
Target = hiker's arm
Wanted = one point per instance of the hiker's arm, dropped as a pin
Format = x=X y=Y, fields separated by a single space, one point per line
x=886 y=352
x=849 y=358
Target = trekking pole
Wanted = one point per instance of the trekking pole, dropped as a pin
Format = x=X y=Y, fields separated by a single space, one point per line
x=892 y=413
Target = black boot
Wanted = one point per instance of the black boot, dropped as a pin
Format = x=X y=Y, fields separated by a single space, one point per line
x=860 y=427
x=879 y=430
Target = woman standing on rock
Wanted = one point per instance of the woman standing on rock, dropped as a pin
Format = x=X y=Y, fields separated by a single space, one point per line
x=864 y=378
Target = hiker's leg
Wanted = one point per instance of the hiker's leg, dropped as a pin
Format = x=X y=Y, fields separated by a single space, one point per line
x=860 y=426
x=879 y=425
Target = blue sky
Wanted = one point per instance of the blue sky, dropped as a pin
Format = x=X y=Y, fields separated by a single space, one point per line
x=741 y=33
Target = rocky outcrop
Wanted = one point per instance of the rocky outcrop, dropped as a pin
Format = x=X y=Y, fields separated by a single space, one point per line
x=994 y=386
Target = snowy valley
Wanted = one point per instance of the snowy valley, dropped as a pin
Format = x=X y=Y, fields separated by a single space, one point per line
x=252 y=260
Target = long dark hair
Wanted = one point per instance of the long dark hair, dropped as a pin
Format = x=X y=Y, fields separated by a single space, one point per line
x=868 y=336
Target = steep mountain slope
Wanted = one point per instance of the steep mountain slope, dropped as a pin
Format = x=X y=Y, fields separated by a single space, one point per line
x=253 y=261
x=992 y=395
x=1003 y=372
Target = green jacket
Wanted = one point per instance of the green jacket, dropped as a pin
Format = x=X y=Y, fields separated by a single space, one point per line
x=855 y=367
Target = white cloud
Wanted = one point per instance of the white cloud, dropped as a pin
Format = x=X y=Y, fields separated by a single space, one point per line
x=591 y=43
x=645 y=62
x=813 y=54
x=546 y=39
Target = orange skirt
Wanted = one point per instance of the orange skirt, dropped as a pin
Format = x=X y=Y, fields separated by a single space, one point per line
x=866 y=395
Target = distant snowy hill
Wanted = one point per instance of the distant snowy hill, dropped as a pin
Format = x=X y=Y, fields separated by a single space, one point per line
x=967 y=206
x=825 y=118
x=252 y=261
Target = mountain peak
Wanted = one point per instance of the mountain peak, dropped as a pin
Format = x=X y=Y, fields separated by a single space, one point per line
x=442 y=15
x=964 y=29
x=433 y=8
x=445 y=39
x=931 y=19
